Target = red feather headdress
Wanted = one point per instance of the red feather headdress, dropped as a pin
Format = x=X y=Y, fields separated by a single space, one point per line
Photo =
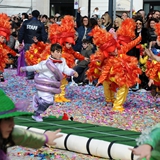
x=67 y=30
x=54 y=33
x=126 y=32
x=64 y=32
x=5 y=25
x=157 y=30
x=104 y=40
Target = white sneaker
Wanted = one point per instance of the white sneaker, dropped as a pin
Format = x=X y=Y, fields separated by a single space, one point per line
x=142 y=90
x=38 y=118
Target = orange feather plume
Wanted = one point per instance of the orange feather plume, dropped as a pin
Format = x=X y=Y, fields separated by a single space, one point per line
x=54 y=33
x=157 y=30
x=127 y=28
x=67 y=24
x=4 y=51
x=100 y=36
x=36 y=53
x=124 y=72
x=95 y=65
x=153 y=68
x=67 y=30
x=3 y=57
x=5 y=25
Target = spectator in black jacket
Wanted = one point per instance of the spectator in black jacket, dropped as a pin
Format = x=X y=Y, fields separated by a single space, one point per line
x=30 y=29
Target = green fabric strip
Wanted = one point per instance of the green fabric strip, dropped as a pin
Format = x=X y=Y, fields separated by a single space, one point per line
x=82 y=129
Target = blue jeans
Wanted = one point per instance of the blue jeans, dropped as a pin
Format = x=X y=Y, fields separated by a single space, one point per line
x=28 y=74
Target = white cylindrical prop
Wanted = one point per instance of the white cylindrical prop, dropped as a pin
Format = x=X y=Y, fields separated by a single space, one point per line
x=99 y=148
x=90 y=146
x=77 y=147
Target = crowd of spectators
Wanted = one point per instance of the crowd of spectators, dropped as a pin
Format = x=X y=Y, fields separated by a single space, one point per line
x=83 y=25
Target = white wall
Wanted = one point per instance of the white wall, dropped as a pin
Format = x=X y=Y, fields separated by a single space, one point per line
x=84 y=4
x=41 y=5
x=103 y=5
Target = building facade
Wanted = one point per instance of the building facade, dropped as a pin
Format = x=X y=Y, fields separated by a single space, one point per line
x=51 y=7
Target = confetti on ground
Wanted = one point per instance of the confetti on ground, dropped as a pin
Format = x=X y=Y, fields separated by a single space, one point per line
x=87 y=105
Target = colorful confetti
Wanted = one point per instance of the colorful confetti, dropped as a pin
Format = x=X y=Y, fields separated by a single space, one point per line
x=87 y=105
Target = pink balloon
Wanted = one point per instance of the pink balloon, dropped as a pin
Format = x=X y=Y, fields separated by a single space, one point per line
x=55 y=70
x=46 y=81
x=48 y=89
x=48 y=84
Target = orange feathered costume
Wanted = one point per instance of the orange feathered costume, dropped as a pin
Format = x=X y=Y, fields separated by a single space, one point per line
x=153 y=67
x=57 y=34
x=4 y=49
x=120 y=71
x=41 y=51
x=70 y=55
x=67 y=35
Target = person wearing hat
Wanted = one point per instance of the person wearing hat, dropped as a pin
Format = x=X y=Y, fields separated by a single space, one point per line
x=153 y=65
x=70 y=55
x=67 y=39
x=31 y=28
x=111 y=65
x=11 y=136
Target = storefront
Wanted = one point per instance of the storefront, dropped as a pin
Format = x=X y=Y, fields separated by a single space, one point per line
x=151 y=5
x=50 y=7
x=62 y=7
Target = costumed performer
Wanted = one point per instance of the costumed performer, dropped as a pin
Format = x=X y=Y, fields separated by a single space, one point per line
x=125 y=34
x=5 y=31
x=11 y=136
x=148 y=144
x=111 y=65
x=153 y=73
x=153 y=66
x=48 y=79
x=66 y=39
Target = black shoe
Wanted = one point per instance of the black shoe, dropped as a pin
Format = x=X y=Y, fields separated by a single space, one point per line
x=134 y=89
x=1 y=78
x=153 y=90
x=29 y=78
x=80 y=84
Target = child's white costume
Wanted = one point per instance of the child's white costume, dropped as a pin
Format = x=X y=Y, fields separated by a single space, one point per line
x=47 y=81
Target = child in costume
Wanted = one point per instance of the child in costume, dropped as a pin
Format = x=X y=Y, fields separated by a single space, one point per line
x=5 y=29
x=48 y=79
x=153 y=66
x=148 y=144
x=153 y=72
x=11 y=136
x=66 y=38
x=112 y=67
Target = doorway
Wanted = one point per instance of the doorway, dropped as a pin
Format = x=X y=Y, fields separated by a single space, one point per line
x=62 y=7
x=151 y=6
